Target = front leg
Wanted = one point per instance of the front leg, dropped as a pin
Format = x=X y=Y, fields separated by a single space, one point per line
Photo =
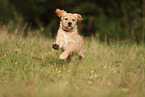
x=57 y=45
x=70 y=49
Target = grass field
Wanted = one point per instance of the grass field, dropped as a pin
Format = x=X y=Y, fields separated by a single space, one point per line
x=29 y=67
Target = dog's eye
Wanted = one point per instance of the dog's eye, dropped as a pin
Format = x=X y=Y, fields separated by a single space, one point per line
x=66 y=18
x=73 y=19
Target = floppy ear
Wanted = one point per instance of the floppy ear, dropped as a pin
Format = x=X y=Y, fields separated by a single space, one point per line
x=60 y=12
x=79 y=17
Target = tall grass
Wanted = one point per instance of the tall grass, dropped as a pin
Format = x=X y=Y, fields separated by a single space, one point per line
x=29 y=67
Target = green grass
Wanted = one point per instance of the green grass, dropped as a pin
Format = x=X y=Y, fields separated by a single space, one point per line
x=29 y=67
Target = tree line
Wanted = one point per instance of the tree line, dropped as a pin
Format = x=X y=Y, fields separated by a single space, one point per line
x=105 y=19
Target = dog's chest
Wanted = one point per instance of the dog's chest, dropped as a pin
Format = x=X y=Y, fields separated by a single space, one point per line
x=67 y=38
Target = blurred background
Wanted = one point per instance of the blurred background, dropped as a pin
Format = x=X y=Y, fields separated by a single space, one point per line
x=106 y=20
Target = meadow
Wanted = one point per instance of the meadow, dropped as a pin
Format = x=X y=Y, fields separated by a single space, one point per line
x=29 y=67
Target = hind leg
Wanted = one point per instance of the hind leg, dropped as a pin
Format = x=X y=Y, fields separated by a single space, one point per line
x=81 y=57
x=69 y=59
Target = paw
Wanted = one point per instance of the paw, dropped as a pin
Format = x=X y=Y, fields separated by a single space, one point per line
x=63 y=56
x=55 y=46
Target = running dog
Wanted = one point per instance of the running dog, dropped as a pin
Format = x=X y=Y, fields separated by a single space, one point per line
x=68 y=38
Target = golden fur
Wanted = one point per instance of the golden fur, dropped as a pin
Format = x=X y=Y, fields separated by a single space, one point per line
x=68 y=38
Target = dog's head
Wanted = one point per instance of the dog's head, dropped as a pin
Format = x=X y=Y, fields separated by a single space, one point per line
x=68 y=20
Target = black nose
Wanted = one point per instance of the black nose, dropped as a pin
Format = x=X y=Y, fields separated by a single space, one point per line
x=69 y=23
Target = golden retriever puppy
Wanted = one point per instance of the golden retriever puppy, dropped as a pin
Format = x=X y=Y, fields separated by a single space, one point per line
x=68 y=38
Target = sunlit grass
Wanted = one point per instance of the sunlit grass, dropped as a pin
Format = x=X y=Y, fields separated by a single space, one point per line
x=29 y=67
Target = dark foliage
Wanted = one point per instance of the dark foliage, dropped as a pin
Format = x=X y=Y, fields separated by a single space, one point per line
x=105 y=19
